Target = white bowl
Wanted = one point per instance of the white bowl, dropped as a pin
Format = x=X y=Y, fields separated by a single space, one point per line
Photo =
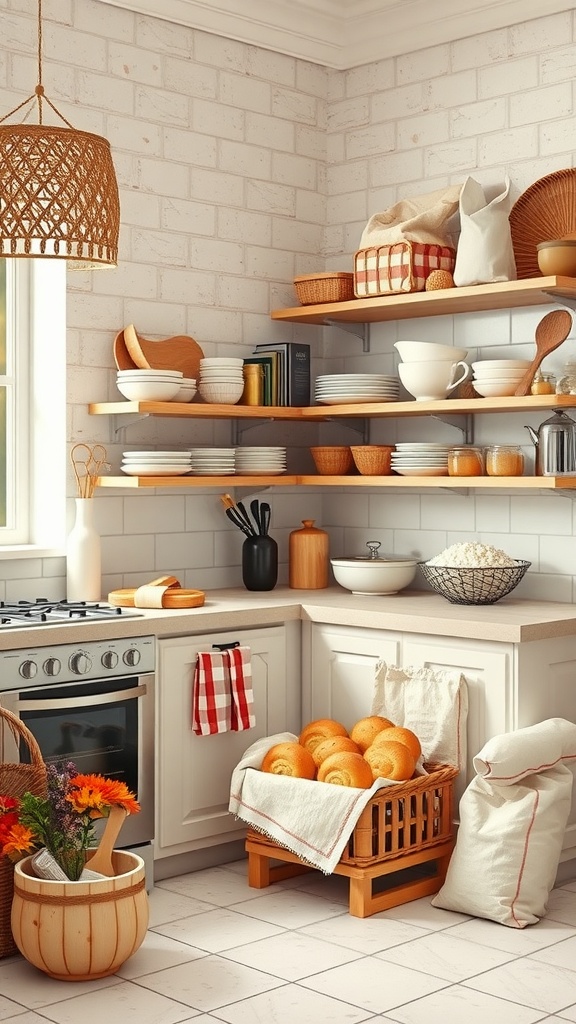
x=498 y=375
x=374 y=575
x=424 y=351
x=501 y=364
x=184 y=395
x=142 y=391
x=495 y=389
x=150 y=374
x=220 y=361
x=221 y=394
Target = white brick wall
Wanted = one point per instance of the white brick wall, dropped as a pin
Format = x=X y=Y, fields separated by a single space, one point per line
x=240 y=167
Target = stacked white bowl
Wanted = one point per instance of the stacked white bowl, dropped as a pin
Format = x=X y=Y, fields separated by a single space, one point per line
x=149 y=385
x=494 y=378
x=187 y=390
x=221 y=380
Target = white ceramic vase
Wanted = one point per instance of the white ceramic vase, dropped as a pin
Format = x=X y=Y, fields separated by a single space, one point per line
x=83 y=556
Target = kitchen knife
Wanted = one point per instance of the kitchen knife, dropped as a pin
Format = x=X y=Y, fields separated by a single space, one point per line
x=255 y=510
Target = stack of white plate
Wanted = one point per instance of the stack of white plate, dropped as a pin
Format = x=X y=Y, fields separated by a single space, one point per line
x=258 y=461
x=155 y=463
x=495 y=378
x=221 y=380
x=344 y=388
x=212 y=461
x=421 y=458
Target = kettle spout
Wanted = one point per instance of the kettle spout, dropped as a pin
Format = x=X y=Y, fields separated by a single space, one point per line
x=533 y=434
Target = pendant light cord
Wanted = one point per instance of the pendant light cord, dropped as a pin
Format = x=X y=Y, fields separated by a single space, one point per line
x=39 y=95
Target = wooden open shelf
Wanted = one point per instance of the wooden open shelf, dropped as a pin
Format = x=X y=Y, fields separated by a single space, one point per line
x=549 y=483
x=481 y=297
x=191 y=410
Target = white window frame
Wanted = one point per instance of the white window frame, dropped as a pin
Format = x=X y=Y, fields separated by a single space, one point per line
x=36 y=408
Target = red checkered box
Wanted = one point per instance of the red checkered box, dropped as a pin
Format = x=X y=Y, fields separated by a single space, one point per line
x=401 y=267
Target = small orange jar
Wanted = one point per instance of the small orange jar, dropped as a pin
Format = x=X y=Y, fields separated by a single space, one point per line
x=465 y=461
x=504 y=460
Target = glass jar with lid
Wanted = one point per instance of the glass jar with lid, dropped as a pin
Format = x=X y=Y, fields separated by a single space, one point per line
x=566 y=384
x=543 y=383
x=465 y=461
x=504 y=460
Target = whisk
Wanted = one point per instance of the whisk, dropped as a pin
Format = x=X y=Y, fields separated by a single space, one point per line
x=88 y=463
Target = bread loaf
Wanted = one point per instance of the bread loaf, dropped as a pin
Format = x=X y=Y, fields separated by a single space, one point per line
x=365 y=729
x=289 y=759
x=346 y=769
x=313 y=733
x=400 y=734
x=333 y=745
x=390 y=760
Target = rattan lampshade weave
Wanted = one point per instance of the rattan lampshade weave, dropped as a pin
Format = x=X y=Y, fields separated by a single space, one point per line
x=58 y=194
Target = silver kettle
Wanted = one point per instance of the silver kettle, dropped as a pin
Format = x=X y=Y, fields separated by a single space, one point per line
x=555 y=445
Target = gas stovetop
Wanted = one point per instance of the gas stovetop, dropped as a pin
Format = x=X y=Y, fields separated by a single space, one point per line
x=41 y=611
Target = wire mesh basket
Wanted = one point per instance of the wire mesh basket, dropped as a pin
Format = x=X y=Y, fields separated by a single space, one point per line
x=484 y=585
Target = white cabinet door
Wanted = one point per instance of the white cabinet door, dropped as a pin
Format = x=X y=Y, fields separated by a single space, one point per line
x=340 y=681
x=193 y=772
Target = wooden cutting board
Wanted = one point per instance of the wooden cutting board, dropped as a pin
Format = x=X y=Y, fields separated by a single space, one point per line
x=122 y=357
x=178 y=353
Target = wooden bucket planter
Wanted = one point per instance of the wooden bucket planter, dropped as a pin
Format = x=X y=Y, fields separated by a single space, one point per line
x=79 y=931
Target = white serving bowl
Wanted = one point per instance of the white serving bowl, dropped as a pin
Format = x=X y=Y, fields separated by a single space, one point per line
x=374 y=575
x=494 y=388
x=425 y=351
x=184 y=395
x=148 y=391
x=143 y=374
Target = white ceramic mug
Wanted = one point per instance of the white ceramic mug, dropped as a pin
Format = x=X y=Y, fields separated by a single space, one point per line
x=434 y=380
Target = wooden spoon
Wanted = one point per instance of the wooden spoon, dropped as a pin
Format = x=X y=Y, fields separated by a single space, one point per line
x=552 y=330
x=102 y=859
x=178 y=353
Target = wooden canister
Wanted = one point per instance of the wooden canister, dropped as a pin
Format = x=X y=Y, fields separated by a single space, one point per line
x=308 y=562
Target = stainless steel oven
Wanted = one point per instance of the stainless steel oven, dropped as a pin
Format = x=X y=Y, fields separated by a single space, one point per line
x=92 y=704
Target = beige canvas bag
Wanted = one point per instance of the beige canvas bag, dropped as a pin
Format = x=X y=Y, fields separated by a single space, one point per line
x=421 y=219
x=484 y=253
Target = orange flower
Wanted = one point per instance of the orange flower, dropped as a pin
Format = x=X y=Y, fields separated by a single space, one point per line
x=18 y=841
x=94 y=795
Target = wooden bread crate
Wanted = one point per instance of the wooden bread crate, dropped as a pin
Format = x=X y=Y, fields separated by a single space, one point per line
x=401 y=827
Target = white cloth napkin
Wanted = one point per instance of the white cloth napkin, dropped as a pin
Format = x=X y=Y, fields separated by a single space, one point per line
x=432 y=703
x=312 y=819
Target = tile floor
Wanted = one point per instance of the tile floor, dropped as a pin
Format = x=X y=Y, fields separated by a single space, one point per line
x=291 y=954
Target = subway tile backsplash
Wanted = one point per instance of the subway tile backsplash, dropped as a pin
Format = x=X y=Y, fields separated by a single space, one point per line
x=240 y=168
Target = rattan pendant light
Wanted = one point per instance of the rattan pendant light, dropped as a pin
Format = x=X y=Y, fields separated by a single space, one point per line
x=58 y=189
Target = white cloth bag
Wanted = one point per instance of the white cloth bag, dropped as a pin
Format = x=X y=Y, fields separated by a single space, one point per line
x=484 y=252
x=421 y=219
x=512 y=822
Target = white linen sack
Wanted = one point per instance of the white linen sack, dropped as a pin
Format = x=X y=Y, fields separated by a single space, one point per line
x=513 y=817
x=508 y=847
x=484 y=252
x=421 y=219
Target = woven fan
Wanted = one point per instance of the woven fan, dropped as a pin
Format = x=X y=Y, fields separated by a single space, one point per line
x=545 y=211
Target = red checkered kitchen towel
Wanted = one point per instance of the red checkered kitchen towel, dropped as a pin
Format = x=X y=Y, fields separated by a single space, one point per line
x=223 y=699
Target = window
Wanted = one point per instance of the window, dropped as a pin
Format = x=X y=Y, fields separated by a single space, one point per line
x=32 y=406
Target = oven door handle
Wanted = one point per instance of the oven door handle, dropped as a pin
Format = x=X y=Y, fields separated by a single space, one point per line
x=81 y=702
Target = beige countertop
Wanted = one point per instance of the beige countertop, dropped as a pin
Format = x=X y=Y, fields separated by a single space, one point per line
x=509 y=621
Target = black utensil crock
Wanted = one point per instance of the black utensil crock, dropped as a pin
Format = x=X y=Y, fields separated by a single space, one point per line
x=259 y=563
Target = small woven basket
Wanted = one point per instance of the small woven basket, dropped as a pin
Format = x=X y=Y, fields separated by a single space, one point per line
x=337 y=286
x=15 y=780
x=373 y=459
x=335 y=461
x=475 y=585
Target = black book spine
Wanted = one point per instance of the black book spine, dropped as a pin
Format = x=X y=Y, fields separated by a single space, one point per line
x=298 y=374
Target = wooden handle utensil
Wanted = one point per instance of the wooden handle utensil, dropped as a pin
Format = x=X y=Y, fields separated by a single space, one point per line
x=552 y=330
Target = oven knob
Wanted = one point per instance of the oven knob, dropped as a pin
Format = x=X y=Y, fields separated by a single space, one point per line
x=28 y=669
x=131 y=656
x=80 y=663
x=52 y=666
x=109 y=659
